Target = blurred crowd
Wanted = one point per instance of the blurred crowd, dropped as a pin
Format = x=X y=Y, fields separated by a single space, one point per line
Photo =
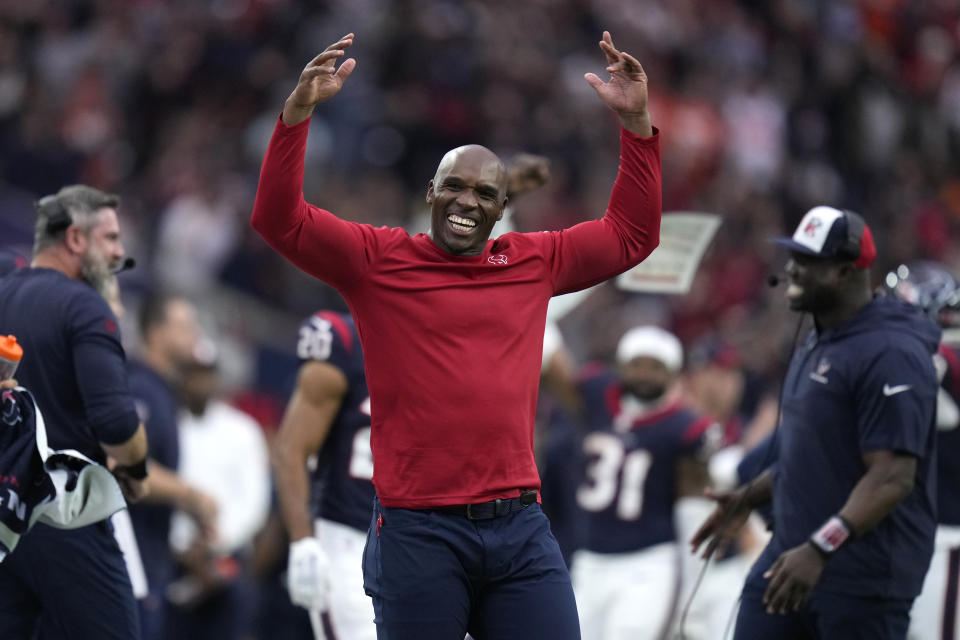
x=766 y=108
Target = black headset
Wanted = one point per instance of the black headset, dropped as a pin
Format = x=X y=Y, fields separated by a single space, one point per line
x=851 y=244
x=58 y=218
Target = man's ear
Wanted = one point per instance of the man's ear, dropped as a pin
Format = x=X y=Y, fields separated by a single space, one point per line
x=430 y=194
x=75 y=239
x=846 y=270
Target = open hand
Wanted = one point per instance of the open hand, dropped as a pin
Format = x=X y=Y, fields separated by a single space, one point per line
x=792 y=577
x=626 y=91
x=319 y=81
x=720 y=530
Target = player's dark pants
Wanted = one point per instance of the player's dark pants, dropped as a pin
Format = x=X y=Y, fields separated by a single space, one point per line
x=434 y=576
x=67 y=584
x=825 y=617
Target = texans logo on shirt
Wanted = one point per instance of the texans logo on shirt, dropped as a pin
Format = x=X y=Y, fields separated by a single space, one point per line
x=820 y=375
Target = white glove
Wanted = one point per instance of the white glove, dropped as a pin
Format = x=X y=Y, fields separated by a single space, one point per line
x=308 y=574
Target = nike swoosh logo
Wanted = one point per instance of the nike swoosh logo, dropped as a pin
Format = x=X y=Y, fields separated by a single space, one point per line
x=892 y=391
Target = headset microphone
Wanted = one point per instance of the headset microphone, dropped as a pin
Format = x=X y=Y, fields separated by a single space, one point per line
x=127 y=264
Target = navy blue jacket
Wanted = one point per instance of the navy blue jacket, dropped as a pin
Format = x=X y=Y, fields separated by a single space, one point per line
x=867 y=385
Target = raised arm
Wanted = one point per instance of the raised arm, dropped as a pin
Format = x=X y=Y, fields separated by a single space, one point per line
x=313 y=239
x=598 y=250
x=626 y=91
x=319 y=81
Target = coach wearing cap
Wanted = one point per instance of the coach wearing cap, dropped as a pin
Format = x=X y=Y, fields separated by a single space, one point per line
x=852 y=484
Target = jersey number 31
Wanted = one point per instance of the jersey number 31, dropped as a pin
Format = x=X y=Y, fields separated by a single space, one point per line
x=613 y=474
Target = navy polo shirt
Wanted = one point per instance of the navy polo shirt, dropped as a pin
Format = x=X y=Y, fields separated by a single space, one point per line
x=867 y=385
x=72 y=359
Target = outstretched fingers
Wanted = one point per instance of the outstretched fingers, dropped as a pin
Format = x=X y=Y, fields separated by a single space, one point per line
x=606 y=44
x=702 y=534
x=346 y=69
x=323 y=63
x=613 y=56
x=333 y=51
x=593 y=80
x=631 y=65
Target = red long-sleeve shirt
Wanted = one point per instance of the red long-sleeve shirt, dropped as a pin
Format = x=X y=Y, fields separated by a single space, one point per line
x=452 y=343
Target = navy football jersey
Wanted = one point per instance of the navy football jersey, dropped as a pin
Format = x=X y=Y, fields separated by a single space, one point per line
x=73 y=362
x=948 y=444
x=630 y=488
x=342 y=482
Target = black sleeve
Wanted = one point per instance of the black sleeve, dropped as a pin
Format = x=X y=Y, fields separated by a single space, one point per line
x=896 y=398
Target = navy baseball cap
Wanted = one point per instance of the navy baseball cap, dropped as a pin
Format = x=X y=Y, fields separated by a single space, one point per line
x=826 y=232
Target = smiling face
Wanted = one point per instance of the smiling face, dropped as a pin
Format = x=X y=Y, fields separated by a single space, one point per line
x=466 y=198
x=814 y=284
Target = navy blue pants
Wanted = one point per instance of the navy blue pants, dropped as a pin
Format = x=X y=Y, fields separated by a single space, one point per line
x=435 y=576
x=228 y=614
x=67 y=584
x=826 y=615
x=159 y=567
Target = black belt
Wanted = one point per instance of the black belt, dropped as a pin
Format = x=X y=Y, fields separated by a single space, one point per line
x=493 y=509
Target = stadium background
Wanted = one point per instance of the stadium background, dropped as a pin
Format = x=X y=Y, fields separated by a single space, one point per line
x=766 y=108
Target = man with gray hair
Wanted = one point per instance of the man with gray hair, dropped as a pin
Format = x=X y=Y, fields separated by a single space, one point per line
x=73 y=583
x=82 y=208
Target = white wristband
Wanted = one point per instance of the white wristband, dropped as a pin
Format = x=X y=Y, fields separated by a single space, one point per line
x=831 y=536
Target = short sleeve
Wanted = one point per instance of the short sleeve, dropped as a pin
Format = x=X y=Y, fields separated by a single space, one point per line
x=895 y=400
x=762 y=457
x=327 y=337
x=100 y=369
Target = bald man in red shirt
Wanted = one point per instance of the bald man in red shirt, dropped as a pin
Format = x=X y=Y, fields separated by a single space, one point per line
x=451 y=324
